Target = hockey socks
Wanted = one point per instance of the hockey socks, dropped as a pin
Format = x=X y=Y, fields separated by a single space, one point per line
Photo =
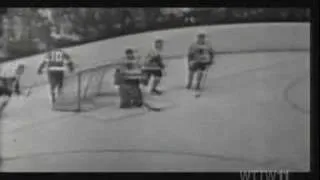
x=199 y=79
x=189 y=79
x=154 y=85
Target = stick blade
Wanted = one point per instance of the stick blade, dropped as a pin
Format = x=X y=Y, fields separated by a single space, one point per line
x=152 y=108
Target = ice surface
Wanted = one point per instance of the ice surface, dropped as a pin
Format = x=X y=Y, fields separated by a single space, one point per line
x=242 y=121
x=253 y=114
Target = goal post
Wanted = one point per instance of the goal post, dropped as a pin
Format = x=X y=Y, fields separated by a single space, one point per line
x=88 y=89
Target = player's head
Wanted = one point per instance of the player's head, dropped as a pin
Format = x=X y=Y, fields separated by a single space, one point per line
x=50 y=47
x=158 y=44
x=20 y=69
x=201 y=37
x=129 y=53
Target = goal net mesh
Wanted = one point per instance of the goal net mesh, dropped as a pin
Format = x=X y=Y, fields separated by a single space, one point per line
x=87 y=90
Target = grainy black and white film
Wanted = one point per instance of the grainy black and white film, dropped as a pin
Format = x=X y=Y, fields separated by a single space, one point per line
x=155 y=89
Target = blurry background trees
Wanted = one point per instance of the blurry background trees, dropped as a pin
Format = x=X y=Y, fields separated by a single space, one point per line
x=27 y=31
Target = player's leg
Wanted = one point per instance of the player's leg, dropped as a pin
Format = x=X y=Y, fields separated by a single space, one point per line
x=157 y=76
x=137 y=100
x=203 y=68
x=52 y=91
x=124 y=96
x=146 y=80
x=5 y=96
x=4 y=101
x=200 y=72
x=190 y=75
x=60 y=79
x=52 y=87
x=17 y=87
x=191 y=69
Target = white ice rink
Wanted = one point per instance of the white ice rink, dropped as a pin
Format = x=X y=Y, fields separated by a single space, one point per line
x=254 y=114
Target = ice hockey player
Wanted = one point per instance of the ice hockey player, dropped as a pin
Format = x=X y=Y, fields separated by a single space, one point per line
x=10 y=84
x=154 y=66
x=56 y=62
x=200 y=58
x=128 y=77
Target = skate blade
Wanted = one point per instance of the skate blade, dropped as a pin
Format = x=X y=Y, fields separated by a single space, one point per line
x=197 y=94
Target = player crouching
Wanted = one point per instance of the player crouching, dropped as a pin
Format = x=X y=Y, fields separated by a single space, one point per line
x=56 y=63
x=153 y=66
x=9 y=85
x=128 y=77
x=200 y=58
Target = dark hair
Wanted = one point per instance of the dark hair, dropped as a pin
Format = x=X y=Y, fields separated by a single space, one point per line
x=159 y=41
x=129 y=51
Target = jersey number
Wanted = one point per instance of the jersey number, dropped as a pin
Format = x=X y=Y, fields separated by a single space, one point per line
x=57 y=56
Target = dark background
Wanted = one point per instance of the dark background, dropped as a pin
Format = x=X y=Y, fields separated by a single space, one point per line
x=27 y=31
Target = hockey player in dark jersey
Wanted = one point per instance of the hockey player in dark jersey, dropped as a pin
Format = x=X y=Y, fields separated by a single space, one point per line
x=200 y=58
x=56 y=62
x=9 y=85
x=128 y=77
x=154 y=66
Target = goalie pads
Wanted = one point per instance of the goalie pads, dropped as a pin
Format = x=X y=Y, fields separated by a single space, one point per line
x=130 y=95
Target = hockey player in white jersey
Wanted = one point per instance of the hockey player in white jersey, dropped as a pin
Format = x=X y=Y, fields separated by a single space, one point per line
x=154 y=66
x=200 y=58
x=56 y=62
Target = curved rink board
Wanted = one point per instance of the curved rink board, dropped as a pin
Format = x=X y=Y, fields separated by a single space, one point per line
x=243 y=121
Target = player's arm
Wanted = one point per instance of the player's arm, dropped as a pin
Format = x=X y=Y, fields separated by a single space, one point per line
x=43 y=64
x=160 y=63
x=118 y=75
x=191 y=54
x=69 y=61
x=211 y=53
x=17 y=89
x=148 y=57
x=153 y=57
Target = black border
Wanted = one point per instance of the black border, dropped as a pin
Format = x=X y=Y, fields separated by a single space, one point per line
x=313 y=4
x=163 y=3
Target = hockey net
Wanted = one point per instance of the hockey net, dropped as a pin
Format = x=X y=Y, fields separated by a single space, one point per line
x=88 y=89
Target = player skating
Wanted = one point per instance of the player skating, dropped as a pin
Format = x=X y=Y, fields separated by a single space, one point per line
x=154 y=66
x=200 y=58
x=56 y=62
x=10 y=84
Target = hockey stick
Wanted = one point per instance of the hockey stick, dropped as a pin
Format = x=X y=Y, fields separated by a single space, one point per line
x=29 y=90
x=146 y=105
x=151 y=108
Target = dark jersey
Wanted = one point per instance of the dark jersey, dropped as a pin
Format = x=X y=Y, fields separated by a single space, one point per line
x=153 y=61
x=129 y=71
x=201 y=52
x=9 y=85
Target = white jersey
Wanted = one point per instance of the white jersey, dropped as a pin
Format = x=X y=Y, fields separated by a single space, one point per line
x=56 y=60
